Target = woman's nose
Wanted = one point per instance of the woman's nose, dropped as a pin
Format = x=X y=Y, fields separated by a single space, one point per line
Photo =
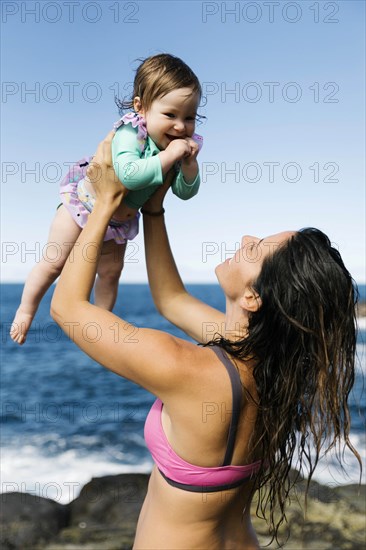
x=248 y=239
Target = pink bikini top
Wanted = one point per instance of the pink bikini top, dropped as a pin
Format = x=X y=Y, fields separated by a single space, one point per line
x=182 y=474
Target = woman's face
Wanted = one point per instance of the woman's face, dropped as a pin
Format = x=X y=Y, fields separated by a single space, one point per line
x=238 y=273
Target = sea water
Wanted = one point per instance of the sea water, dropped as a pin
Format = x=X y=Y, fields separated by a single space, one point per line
x=66 y=419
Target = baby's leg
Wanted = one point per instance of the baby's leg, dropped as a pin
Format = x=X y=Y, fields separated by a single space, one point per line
x=62 y=236
x=109 y=270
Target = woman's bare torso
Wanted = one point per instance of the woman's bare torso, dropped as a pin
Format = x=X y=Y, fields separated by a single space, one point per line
x=172 y=519
x=175 y=519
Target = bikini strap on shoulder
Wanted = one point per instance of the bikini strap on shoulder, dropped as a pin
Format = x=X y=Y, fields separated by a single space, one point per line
x=236 y=402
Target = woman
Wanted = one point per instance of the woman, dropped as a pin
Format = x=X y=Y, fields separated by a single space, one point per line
x=229 y=415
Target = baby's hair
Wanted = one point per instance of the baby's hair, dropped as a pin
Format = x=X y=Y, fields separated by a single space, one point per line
x=158 y=75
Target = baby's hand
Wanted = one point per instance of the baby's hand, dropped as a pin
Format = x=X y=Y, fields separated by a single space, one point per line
x=184 y=150
x=179 y=148
x=189 y=165
x=193 y=151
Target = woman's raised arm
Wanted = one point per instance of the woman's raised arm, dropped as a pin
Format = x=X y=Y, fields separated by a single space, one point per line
x=153 y=359
x=172 y=300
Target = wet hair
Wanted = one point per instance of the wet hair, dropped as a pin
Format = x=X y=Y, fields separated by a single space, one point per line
x=303 y=343
x=158 y=75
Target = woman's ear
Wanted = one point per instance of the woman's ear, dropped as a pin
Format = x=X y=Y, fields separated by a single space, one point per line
x=137 y=105
x=250 y=301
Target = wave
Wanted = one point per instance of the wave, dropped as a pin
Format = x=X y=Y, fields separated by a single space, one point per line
x=331 y=473
x=62 y=476
x=59 y=477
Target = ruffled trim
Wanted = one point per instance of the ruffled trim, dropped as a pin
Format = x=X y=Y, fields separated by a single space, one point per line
x=122 y=233
x=138 y=122
x=199 y=140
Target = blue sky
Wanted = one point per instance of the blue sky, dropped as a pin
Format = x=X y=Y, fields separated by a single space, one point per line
x=284 y=137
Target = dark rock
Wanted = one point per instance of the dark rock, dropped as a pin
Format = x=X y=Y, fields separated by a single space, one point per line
x=110 y=500
x=105 y=513
x=361 y=309
x=334 y=519
x=354 y=496
x=27 y=520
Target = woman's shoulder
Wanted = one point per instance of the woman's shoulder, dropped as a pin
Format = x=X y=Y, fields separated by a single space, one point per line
x=205 y=360
x=206 y=368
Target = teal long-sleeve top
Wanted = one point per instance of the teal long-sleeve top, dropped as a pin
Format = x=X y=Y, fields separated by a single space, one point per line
x=141 y=173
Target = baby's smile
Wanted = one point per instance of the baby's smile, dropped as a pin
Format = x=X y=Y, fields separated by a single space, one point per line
x=171 y=138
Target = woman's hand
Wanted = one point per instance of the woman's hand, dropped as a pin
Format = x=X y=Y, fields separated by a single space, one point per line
x=155 y=202
x=108 y=188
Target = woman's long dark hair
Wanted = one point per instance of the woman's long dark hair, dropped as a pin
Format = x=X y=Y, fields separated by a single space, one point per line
x=303 y=342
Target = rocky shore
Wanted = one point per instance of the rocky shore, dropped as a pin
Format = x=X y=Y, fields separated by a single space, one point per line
x=104 y=516
x=361 y=309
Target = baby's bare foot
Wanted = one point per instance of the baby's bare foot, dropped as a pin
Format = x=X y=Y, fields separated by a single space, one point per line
x=20 y=326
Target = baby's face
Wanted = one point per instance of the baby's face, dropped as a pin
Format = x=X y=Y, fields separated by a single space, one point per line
x=172 y=116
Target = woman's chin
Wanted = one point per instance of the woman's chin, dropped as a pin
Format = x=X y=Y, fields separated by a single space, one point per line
x=218 y=269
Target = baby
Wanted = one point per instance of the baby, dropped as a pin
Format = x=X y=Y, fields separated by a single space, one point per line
x=157 y=136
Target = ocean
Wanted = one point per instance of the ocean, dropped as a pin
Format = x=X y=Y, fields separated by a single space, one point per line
x=65 y=419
